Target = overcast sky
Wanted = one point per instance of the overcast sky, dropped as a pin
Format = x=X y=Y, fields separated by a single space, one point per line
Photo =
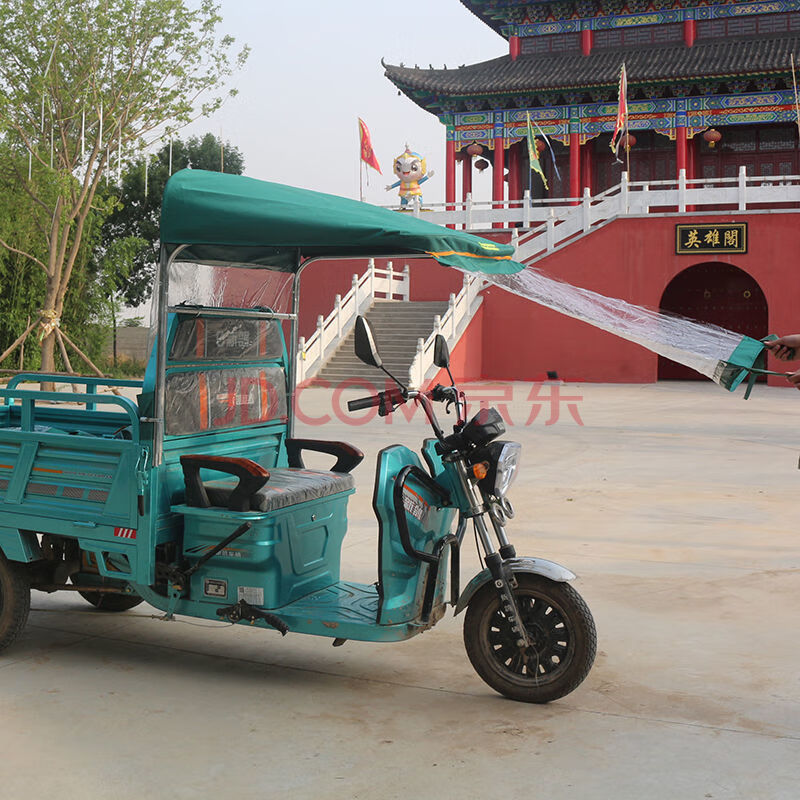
x=315 y=68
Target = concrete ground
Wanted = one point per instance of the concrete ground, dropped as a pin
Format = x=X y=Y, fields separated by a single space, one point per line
x=676 y=504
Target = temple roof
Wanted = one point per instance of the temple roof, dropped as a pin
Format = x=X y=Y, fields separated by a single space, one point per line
x=720 y=60
x=497 y=14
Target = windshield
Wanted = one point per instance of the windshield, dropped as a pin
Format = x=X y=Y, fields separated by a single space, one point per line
x=229 y=287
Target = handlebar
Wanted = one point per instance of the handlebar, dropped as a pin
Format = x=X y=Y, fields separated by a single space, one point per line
x=364 y=402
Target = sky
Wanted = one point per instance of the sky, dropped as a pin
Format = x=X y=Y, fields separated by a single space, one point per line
x=315 y=67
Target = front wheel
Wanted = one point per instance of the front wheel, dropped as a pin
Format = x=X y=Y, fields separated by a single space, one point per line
x=560 y=626
x=15 y=600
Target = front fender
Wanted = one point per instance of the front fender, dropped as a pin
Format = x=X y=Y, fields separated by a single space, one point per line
x=538 y=566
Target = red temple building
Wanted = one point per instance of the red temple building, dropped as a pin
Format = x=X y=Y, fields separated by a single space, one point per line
x=699 y=216
x=699 y=74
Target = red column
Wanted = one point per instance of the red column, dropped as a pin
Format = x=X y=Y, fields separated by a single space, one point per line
x=450 y=175
x=689 y=32
x=586 y=166
x=466 y=175
x=574 y=166
x=513 y=174
x=587 y=41
x=513 y=47
x=498 y=182
x=680 y=155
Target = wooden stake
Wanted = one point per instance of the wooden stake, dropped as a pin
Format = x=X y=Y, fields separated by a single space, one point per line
x=64 y=355
x=20 y=339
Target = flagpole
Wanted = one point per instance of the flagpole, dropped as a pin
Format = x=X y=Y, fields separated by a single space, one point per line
x=796 y=104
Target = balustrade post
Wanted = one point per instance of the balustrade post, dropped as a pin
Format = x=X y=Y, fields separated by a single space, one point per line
x=742 y=188
x=682 y=191
x=437 y=323
x=338 y=304
x=551 y=233
x=586 y=208
x=371 y=279
x=320 y=328
x=452 y=305
x=300 y=366
x=468 y=211
x=406 y=282
x=514 y=241
x=390 y=278
x=526 y=209
x=623 y=193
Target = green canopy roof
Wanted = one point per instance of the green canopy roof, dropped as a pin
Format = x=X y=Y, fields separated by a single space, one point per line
x=231 y=219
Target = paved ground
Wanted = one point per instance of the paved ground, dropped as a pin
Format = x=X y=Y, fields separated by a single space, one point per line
x=677 y=505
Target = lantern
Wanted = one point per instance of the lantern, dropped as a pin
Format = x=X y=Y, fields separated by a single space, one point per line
x=712 y=136
x=540 y=146
x=475 y=149
x=481 y=164
x=627 y=140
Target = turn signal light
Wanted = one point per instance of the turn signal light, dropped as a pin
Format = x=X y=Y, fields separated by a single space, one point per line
x=480 y=470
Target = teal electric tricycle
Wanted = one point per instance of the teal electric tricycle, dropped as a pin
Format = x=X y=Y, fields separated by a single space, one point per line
x=194 y=496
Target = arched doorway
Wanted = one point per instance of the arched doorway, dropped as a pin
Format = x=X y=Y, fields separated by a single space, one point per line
x=721 y=294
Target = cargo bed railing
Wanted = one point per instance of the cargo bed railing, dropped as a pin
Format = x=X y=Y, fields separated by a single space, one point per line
x=28 y=398
x=90 y=383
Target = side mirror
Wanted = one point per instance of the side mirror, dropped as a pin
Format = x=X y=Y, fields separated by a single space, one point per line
x=441 y=353
x=365 y=347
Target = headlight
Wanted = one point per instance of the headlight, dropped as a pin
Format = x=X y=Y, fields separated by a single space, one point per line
x=506 y=470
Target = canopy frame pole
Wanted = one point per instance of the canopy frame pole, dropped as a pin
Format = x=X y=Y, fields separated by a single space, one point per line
x=295 y=330
x=164 y=265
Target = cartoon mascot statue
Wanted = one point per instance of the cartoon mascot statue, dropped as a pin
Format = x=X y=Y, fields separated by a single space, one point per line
x=411 y=171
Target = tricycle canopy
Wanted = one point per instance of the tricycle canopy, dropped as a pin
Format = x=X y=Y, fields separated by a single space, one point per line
x=232 y=219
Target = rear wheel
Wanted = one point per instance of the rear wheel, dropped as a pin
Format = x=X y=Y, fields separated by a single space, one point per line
x=560 y=626
x=109 y=601
x=15 y=600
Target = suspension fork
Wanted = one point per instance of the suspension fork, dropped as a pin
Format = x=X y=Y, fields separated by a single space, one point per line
x=503 y=580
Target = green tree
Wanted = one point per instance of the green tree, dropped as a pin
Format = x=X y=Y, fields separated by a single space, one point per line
x=81 y=85
x=136 y=216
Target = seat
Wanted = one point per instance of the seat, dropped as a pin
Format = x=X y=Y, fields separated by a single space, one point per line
x=286 y=486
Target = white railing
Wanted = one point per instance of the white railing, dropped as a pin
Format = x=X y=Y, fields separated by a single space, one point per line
x=376 y=282
x=460 y=311
x=741 y=193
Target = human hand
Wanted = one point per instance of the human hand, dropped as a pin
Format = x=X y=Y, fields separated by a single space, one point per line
x=794 y=378
x=784 y=348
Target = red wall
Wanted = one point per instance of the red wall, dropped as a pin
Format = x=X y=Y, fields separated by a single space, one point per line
x=633 y=259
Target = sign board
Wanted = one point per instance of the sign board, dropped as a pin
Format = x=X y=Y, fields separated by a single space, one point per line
x=727 y=237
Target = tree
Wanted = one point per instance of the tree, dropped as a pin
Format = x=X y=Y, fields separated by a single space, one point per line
x=81 y=85
x=139 y=208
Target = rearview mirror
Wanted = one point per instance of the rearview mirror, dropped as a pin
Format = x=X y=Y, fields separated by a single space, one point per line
x=365 y=347
x=441 y=353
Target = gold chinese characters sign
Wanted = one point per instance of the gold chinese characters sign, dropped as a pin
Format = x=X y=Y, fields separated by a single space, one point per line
x=724 y=238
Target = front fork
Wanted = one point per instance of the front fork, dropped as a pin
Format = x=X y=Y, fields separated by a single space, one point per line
x=504 y=580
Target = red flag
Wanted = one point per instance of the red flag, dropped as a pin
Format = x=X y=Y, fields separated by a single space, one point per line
x=622 y=109
x=367 y=153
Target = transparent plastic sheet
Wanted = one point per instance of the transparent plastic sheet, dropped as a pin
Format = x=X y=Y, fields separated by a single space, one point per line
x=719 y=354
x=228 y=287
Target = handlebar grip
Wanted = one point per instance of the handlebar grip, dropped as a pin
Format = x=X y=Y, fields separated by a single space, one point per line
x=364 y=402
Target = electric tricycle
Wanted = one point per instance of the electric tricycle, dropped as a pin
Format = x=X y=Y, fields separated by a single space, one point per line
x=194 y=496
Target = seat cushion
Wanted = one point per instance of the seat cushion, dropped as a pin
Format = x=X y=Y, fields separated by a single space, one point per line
x=285 y=487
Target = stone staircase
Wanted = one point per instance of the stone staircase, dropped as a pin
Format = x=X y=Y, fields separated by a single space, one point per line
x=397 y=326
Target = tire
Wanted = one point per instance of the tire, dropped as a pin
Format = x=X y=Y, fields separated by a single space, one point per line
x=107 y=601
x=15 y=601
x=558 y=621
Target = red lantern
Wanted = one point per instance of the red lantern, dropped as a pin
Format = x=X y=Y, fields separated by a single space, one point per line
x=540 y=146
x=627 y=140
x=475 y=149
x=712 y=136
x=481 y=164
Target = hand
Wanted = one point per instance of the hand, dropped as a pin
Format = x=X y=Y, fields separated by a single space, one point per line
x=785 y=348
x=430 y=173
x=794 y=378
x=389 y=188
